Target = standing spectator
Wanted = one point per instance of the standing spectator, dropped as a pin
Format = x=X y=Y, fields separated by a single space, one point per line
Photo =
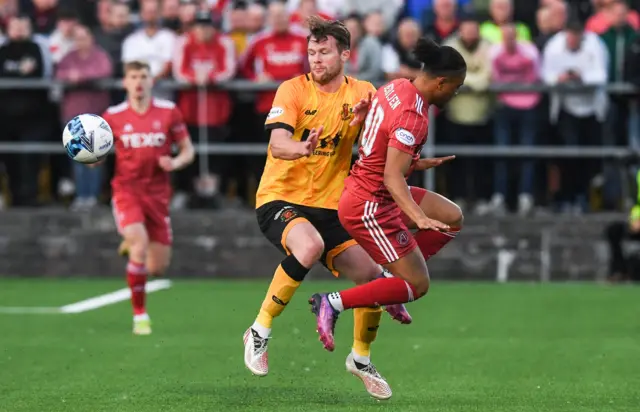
x=171 y=15
x=87 y=62
x=112 y=33
x=551 y=21
x=238 y=27
x=256 y=15
x=515 y=62
x=468 y=113
x=306 y=9
x=374 y=26
x=208 y=58
x=444 y=22
x=397 y=58
x=605 y=17
x=501 y=12
x=617 y=39
x=61 y=41
x=151 y=44
x=389 y=9
x=324 y=7
x=577 y=57
x=365 y=61
x=424 y=10
x=21 y=111
x=277 y=54
x=187 y=10
x=43 y=14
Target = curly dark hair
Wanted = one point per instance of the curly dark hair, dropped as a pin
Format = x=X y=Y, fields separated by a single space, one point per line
x=322 y=29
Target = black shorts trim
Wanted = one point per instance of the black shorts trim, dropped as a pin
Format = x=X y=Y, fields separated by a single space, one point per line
x=274 y=217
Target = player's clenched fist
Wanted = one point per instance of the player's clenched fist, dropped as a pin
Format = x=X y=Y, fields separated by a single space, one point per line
x=432 y=224
x=309 y=145
x=166 y=163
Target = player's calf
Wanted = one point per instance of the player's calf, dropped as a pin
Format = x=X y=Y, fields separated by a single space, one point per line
x=136 y=237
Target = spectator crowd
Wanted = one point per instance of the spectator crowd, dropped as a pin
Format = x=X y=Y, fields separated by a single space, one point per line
x=202 y=42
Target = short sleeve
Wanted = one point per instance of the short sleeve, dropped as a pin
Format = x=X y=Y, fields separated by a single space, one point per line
x=408 y=131
x=284 y=111
x=178 y=129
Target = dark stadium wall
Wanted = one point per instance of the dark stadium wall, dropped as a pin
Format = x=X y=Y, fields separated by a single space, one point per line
x=49 y=243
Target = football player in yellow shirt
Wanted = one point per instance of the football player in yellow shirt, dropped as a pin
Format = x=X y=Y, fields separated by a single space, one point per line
x=313 y=125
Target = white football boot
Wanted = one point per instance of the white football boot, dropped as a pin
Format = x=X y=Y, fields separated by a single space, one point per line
x=374 y=383
x=256 y=358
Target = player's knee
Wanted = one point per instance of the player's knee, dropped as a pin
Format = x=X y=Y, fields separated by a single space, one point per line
x=421 y=287
x=455 y=217
x=309 y=252
x=138 y=249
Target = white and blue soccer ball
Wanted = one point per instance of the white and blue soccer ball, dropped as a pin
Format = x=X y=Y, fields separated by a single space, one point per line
x=87 y=138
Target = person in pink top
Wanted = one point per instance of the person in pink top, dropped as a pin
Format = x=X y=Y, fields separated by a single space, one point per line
x=602 y=20
x=515 y=62
x=85 y=63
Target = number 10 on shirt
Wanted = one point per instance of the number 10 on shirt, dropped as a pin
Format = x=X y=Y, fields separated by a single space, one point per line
x=371 y=125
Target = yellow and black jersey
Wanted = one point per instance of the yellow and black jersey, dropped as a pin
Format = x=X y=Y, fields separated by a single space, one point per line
x=317 y=180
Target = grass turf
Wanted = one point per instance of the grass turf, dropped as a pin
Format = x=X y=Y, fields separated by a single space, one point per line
x=472 y=347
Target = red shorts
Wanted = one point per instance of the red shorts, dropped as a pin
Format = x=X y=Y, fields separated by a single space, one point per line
x=153 y=212
x=380 y=228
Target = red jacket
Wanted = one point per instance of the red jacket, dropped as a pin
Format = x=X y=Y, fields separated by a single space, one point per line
x=280 y=56
x=217 y=58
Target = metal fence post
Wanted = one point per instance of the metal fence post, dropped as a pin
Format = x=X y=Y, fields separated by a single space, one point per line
x=203 y=130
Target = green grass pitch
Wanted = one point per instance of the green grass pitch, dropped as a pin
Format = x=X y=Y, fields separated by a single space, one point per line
x=472 y=348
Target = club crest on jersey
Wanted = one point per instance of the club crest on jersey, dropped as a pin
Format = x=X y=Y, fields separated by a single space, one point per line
x=402 y=238
x=286 y=214
x=405 y=137
x=275 y=112
x=347 y=112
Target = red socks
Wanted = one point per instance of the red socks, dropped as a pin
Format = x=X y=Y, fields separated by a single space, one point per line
x=431 y=241
x=379 y=292
x=137 y=279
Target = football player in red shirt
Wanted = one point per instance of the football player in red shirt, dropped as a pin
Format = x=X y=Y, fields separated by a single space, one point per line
x=378 y=208
x=145 y=129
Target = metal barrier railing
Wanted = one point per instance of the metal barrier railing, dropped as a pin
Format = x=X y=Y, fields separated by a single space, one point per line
x=56 y=92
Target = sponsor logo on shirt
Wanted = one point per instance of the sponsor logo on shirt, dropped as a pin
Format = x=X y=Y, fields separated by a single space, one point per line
x=275 y=112
x=140 y=140
x=405 y=137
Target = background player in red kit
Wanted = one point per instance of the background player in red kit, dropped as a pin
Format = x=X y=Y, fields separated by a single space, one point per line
x=145 y=129
x=378 y=208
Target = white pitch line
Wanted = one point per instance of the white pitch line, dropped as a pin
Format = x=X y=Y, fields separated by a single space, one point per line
x=111 y=298
x=88 y=304
x=19 y=310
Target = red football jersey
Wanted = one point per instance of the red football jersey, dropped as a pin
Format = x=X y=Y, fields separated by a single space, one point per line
x=140 y=140
x=280 y=56
x=398 y=118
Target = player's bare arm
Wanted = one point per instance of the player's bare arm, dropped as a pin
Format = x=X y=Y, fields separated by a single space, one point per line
x=396 y=168
x=430 y=163
x=285 y=148
x=186 y=154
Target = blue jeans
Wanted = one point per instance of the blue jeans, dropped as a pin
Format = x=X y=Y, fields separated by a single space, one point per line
x=520 y=127
x=88 y=180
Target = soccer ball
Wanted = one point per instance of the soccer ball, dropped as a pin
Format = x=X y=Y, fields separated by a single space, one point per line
x=87 y=138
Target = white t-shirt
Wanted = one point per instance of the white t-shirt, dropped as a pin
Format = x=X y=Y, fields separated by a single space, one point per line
x=157 y=51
